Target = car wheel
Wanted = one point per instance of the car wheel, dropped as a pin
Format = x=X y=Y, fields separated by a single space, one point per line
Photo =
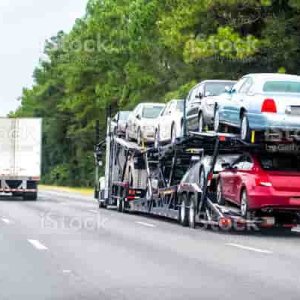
x=245 y=130
x=202 y=179
x=173 y=134
x=183 y=211
x=139 y=137
x=220 y=199
x=156 y=140
x=127 y=134
x=201 y=124
x=192 y=211
x=217 y=120
x=244 y=204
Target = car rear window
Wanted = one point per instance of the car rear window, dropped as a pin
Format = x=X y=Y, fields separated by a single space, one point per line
x=280 y=163
x=282 y=86
x=151 y=112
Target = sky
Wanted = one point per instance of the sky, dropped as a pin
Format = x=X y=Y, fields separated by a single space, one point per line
x=24 y=27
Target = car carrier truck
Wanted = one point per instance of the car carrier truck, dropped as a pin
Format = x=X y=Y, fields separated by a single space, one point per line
x=20 y=156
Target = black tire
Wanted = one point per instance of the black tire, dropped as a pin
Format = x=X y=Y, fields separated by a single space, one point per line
x=183 y=211
x=139 y=137
x=220 y=198
x=244 y=204
x=202 y=178
x=30 y=196
x=245 y=129
x=192 y=210
x=201 y=123
x=156 y=141
x=173 y=134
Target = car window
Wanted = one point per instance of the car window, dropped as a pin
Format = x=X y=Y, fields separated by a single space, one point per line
x=123 y=115
x=180 y=106
x=246 y=86
x=280 y=163
x=194 y=93
x=239 y=84
x=151 y=112
x=216 y=88
x=243 y=163
x=282 y=86
x=166 y=109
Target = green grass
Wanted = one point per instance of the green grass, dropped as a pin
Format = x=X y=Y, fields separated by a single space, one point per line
x=82 y=191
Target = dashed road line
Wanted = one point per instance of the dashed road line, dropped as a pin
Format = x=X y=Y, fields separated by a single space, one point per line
x=93 y=211
x=6 y=221
x=249 y=248
x=146 y=224
x=37 y=244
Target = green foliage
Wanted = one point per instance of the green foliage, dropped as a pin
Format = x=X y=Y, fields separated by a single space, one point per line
x=123 y=52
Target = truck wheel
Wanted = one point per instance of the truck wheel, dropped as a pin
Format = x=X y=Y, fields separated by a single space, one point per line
x=192 y=211
x=183 y=211
x=30 y=196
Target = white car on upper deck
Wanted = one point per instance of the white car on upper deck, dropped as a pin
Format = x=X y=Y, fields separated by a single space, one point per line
x=141 y=124
x=169 y=123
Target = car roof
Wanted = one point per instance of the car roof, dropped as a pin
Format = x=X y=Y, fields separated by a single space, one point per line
x=152 y=103
x=276 y=76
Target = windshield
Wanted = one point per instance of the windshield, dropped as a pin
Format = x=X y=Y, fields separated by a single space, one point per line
x=151 y=112
x=180 y=106
x=217 y=88
x=123 y=115
x=282 y=86
x=280 y=163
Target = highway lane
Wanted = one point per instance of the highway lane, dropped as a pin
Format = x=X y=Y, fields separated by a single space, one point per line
x=64 y=247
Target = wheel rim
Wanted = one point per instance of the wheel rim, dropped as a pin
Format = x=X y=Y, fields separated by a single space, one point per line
x=201 y=123
x=244 y=205
x=192 y=212
x=244 y=128
x=216 y=121
x=173 y=138
x=182 y=211
x=202 y=180
x=156 y=142
x=219 y=193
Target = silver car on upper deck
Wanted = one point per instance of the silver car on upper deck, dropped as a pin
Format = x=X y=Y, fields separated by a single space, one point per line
x=260 y=102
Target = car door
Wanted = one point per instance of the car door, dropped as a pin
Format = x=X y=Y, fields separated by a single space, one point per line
x=132 y=121
x=228 y=103
x=193 y=108
x=238 y=98
x=230 y=179
x=164 y=123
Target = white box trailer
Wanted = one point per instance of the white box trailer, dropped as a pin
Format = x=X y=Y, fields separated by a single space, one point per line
x=20 y=156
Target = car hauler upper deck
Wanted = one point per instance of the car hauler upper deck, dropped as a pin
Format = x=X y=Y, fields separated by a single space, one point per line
x=152 y=181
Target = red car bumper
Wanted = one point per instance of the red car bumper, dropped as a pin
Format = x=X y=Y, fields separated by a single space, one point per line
x=269 y=198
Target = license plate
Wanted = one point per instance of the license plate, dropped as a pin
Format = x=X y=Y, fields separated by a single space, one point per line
x=295 y=110
x=268 y=221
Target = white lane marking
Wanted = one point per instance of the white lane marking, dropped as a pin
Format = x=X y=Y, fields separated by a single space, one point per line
x=37 y=244
x=249 y=248
x=6 y=221
x=93 y=211
x=67 y=271
x=145 y=224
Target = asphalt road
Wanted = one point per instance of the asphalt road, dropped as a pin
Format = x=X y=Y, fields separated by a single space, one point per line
x=64 y=247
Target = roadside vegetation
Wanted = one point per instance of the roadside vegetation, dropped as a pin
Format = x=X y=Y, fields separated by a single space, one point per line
x=123 y=52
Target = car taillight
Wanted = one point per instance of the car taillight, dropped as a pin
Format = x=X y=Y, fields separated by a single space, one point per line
x=269 y=106
x=264 y=183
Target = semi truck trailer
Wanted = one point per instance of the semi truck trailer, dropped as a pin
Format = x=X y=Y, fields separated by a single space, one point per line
x=20 y=157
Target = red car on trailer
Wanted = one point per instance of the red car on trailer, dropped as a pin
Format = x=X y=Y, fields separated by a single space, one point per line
x=261 y=182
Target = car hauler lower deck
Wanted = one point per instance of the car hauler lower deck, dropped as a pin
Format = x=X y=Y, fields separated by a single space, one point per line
x=151 y=180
